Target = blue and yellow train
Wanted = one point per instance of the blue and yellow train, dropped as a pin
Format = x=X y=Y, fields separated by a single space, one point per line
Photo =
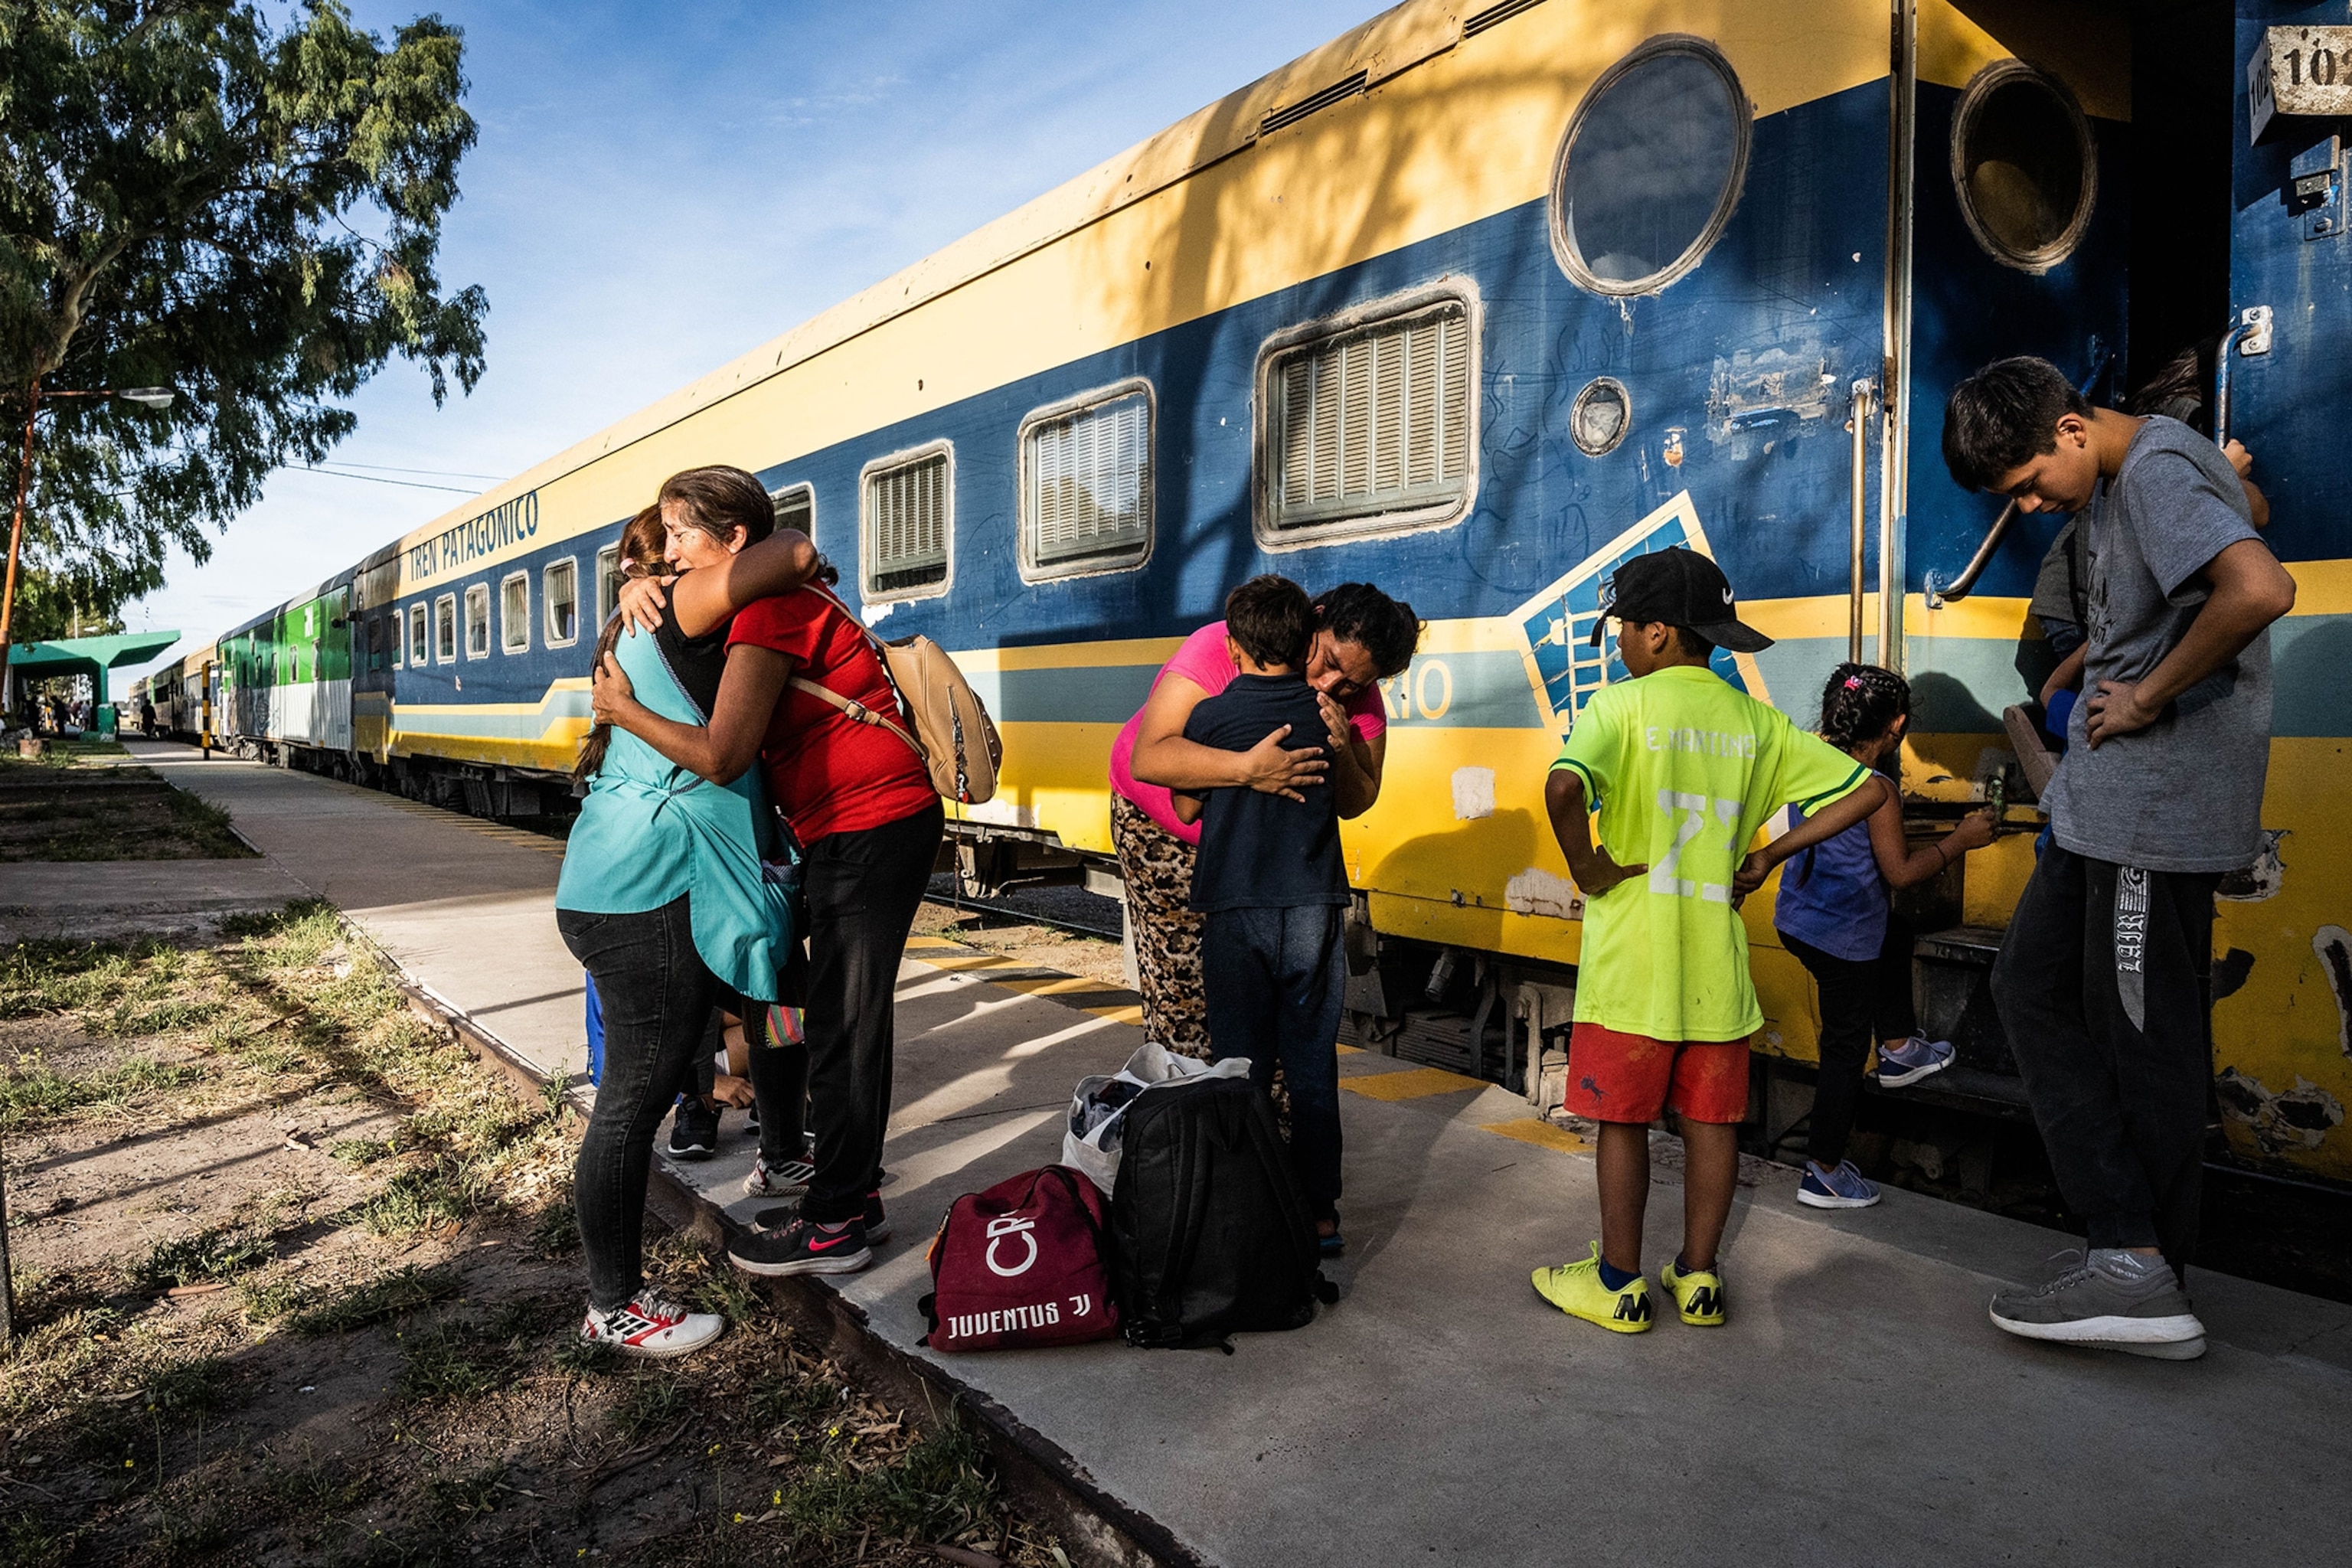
x=1471 y=302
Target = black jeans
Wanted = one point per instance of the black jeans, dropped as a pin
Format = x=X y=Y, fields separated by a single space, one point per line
x=1862 y=1001
x=1274 y=980
x=2104 y=987
x=864 y=888
x=656 y=997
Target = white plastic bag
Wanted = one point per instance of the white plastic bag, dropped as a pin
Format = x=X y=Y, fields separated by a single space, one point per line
x=1090 y=1138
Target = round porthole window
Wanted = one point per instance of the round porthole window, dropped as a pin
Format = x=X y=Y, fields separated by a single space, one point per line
x=2024 y=166
x=1597 y=419
x=1651 y=167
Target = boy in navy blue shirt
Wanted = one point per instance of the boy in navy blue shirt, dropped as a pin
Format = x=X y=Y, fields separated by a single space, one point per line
x=1271 y=883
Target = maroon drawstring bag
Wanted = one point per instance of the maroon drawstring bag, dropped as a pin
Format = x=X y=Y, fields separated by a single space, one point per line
x=1024 y=1264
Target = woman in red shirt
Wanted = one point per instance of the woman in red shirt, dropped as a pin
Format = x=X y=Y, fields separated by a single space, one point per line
x=860 y=801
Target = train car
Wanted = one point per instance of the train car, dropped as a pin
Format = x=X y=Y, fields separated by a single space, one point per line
x=1472 y=303
x=179 y=692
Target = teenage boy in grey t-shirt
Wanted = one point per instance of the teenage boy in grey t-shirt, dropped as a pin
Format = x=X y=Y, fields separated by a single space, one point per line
x=2101 y=984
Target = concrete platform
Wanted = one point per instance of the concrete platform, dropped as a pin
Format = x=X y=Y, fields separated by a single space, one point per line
x=1857 y=1410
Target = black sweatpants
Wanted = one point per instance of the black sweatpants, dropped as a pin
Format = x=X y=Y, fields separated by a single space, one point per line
x=1863 y=1001
x=2104 y=988
x=864 y=888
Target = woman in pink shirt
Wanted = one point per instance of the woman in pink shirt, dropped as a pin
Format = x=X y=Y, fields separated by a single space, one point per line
x=1362 y=637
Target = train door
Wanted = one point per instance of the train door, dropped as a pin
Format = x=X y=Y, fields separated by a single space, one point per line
x=2283 y=1011
x=329 y=719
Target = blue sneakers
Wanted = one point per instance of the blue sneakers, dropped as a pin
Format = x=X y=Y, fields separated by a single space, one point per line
x=1843 y=1188
x=1914 y=1059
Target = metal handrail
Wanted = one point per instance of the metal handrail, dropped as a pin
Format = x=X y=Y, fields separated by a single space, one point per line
x=1940 y=595
x=1861 y=428
x=2221 y=357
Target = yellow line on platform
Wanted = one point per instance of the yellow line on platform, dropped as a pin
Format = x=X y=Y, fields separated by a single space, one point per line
x=1412 y=1085
x=1129 y=1014
x=1058 y=986
x=1542 y=1134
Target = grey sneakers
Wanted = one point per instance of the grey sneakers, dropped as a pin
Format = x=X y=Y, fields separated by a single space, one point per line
x=2111 y=1299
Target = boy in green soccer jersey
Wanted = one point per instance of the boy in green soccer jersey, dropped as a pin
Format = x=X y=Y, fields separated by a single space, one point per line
x=1684 y=770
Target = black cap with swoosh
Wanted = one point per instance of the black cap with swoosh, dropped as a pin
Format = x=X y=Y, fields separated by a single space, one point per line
x=1682 y=588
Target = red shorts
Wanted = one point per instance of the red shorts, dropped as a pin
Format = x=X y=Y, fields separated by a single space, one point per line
x=1632 y=1077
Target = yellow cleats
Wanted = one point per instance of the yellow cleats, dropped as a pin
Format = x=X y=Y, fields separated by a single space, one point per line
x=1698 y=1295
x=1575 y=1288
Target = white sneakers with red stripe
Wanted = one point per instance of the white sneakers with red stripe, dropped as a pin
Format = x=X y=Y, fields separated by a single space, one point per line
x=646 y=1325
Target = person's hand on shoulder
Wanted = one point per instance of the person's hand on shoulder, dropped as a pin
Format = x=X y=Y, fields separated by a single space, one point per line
x=641 y=601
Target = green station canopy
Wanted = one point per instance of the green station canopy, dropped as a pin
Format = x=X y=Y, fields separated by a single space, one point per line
x=92 y=656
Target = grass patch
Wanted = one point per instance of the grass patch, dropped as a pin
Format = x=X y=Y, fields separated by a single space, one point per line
x=457 y=1498
x=650 y=1402
x=460 y=1357
x=192 y=1388
x=50 y=811
x=215 y=1252
x=33 y=1091
x=935 y=1490
x=381 y=1300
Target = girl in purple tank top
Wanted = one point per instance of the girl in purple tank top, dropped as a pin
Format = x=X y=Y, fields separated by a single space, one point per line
x=1834 y=911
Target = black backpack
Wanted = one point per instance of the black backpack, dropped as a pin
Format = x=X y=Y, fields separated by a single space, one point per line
x=1213 y=1233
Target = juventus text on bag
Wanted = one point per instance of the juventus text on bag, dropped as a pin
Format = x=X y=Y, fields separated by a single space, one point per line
x=1022 y=1265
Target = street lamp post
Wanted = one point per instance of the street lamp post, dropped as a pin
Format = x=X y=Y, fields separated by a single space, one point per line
x=147 y=396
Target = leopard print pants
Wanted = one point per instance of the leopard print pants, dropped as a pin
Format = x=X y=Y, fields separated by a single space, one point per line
x=1157 y=866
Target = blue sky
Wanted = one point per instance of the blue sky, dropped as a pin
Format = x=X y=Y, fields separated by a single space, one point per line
x=660 y=187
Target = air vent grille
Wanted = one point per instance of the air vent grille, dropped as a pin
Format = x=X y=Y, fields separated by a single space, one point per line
x=1474 y=26
x=1338 y=92
x=1373 y=421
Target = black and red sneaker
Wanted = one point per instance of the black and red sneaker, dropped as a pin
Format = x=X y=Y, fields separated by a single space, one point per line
x=876 y=1222
x=646 y=1325
x=802 y=1246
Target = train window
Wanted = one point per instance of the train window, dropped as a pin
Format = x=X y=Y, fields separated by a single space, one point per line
x=1085 y=483
x=418 y=657
x=907 y=520
x=444 y=630
x=514 y=612
x=2024 y=166
x=478 y=620
x=796 y=507
x=608 y=584
x=1368 y=422
x=375 y=656
x=1651 y=167
x=559 y=586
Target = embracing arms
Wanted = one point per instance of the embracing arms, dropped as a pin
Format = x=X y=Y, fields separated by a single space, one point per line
x=776 y=564
x=724 y=749
x=1163 y=756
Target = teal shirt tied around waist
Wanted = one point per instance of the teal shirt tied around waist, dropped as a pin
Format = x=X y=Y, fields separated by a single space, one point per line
x=651 y=830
